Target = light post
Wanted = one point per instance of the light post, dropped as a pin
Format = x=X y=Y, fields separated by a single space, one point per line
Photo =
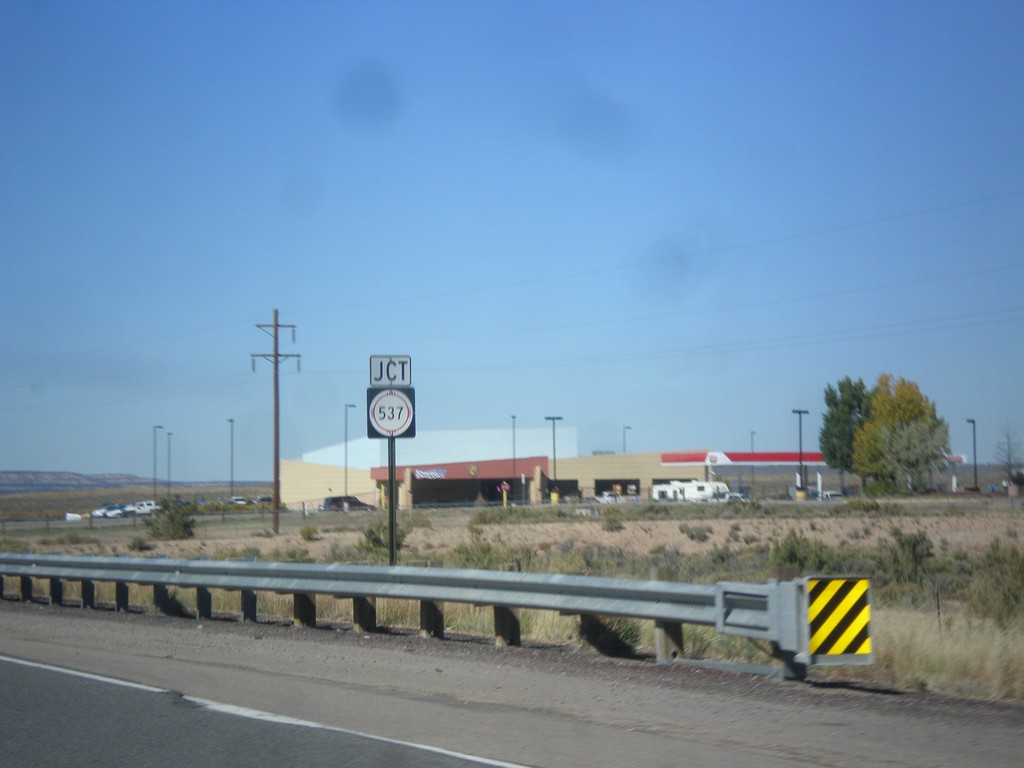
x=155 y=428
x=231 y=492
x=800 y=420
x=974 y=442
x=554 y=452
x=169 y=464
x=347 y=406
x=752 y=465
x=624 y=440
x=232 y=454
x=515 y=474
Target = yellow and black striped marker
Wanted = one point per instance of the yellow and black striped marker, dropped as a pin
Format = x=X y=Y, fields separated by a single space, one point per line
x=838 y=612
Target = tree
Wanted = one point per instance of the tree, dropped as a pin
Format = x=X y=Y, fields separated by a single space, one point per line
x=1008 y=454
x=846 y=410
x=902 y=440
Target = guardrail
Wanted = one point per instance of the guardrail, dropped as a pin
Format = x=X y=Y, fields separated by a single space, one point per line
x=807 y=621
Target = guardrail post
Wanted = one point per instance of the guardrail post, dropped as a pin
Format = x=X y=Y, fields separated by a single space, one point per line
x=668 y=641
x=161 y=598
x=364 y=614
x=791 y=668
x=120 y=595
x=304 y=610
x=431 y=619
x=248 y=605
x=26 y=589
x=56 y=591
x=204 y=603
x=88 y=593
x=506 y=626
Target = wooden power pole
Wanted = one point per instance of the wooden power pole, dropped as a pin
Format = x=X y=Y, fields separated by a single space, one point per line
x=275 y=359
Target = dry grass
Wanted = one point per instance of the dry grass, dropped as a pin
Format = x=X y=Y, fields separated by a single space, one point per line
x=961 y=656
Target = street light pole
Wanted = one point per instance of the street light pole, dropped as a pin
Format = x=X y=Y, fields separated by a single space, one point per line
x=974 y=442
x=347 y=406
x=554 y=452
x=753 y=467
x=155 y=428
x=232 y=480
x=515 y=473
x=169 y=464
x=624 y=440
x=800 y=419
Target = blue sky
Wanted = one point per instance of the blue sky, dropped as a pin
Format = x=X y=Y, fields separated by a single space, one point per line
x=683 y=217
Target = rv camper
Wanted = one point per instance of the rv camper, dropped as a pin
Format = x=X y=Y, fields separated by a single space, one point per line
x=689 y=490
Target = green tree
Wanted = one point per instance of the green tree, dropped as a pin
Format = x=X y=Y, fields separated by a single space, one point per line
x=902 y=440
x=846 y=411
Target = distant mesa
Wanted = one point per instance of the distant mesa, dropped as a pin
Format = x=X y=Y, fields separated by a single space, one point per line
x=27 y=482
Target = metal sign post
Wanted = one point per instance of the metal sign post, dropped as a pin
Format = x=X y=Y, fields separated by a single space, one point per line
x=391 y=413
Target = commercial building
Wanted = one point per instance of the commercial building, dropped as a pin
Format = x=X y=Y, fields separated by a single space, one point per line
x=473 y=466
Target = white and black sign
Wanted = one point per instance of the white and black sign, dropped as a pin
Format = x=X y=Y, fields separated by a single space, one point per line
x=393 y=371
x=390 y=412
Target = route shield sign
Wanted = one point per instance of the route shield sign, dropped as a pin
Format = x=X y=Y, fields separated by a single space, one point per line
x=390 y=412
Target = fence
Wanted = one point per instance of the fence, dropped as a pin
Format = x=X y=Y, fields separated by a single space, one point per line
x=807 y=621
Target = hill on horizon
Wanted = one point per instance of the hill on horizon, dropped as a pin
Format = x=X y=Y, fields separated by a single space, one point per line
x=29 y=482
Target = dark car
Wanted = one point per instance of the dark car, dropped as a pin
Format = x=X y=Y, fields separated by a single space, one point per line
x=341 y=503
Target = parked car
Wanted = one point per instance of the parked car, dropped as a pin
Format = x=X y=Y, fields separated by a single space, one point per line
x=340 y=503
x=732 y=496
x=241 y=500
x=147 y=507
x=109 y=509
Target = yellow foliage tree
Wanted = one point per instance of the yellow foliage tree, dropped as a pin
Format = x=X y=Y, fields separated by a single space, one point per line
x=902 y=440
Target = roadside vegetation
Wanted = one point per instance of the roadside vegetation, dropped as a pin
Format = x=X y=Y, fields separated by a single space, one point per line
x=943 y=618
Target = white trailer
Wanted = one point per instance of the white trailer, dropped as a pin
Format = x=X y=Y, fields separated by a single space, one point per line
x=689 y=490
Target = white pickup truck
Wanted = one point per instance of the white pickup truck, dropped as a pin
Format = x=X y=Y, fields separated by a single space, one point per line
x=145 y=507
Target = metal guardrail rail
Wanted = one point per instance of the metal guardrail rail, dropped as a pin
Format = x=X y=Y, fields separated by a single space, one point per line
x=776 y=611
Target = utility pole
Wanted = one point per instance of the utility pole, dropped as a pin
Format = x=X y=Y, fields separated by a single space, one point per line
x=275 y=357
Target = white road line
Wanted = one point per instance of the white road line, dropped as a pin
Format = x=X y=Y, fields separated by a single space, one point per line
x=86 y=675
x=255 y=714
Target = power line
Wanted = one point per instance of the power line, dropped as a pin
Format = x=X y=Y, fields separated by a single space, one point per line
x=275 y=358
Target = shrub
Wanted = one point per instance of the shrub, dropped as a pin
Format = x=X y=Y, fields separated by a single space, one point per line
x=997 y=591
x=376 y=541
x=309 y=533
x=796 y=550
x=909 y=558
x=291 y=555
x=175 y=520
x=75 y=539
x=698 y=533
x=139 y=544
x=613 y=521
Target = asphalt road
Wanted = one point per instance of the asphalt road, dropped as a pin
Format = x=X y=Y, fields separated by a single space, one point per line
x=537 y=706
x=52 y=718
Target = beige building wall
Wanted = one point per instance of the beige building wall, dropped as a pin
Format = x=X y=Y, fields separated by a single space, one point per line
x=312 y=483
x=645 y=467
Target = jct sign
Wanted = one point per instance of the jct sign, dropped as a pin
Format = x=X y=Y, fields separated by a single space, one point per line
x=390 y=371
